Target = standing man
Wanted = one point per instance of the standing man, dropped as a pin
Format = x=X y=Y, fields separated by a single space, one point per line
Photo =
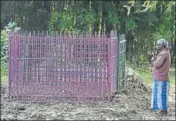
x=160 y=72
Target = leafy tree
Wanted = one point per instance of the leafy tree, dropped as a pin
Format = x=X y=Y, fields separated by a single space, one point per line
x=143 y=22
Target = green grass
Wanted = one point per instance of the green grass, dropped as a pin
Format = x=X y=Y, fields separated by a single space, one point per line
x=4 y=73
x=146 y=75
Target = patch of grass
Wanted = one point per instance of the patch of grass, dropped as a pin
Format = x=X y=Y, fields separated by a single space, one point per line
x=4 y=73
x=146 y=75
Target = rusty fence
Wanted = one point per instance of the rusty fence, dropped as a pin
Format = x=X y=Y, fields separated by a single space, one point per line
x=60 y=67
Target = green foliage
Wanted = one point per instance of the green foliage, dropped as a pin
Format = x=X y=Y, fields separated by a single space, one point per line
x=4 y=45
x=113 y=17
x=145 y=21
x=67 y=22
x=143 y=58
x=113 y=20
x=4 y=37
x=131 y=25
x=4 y=73
x=90 y=17
x=12 y=26
x=167 y=34
x=166 y=26
x=146 y=75
x=53 y=21
x=169 y=7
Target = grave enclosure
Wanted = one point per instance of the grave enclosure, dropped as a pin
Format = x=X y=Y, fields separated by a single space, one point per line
x=51 y=67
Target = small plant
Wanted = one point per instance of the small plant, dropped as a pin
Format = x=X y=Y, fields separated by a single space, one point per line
x=4 y=46
x=12 y=26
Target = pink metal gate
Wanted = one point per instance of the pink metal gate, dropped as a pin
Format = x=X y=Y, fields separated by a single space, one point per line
x=56 y=67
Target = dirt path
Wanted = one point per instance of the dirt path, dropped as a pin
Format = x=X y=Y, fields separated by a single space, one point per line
x=132 y=104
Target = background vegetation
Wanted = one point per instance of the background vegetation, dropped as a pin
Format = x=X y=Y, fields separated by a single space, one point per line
x=143 y=22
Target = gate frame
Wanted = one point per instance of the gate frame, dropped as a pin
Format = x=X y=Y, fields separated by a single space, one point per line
x=114 y=83
x=121 y=80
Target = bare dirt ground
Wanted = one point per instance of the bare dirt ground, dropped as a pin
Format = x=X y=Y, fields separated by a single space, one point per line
x=133 y=103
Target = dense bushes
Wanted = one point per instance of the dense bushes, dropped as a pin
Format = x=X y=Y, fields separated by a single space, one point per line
x=4 y=46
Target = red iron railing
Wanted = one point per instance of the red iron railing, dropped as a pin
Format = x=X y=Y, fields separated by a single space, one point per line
x=55 y=67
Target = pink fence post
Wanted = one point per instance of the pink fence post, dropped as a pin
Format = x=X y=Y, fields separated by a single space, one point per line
x=13 y=56
x=9 y=64
x=113 y=61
